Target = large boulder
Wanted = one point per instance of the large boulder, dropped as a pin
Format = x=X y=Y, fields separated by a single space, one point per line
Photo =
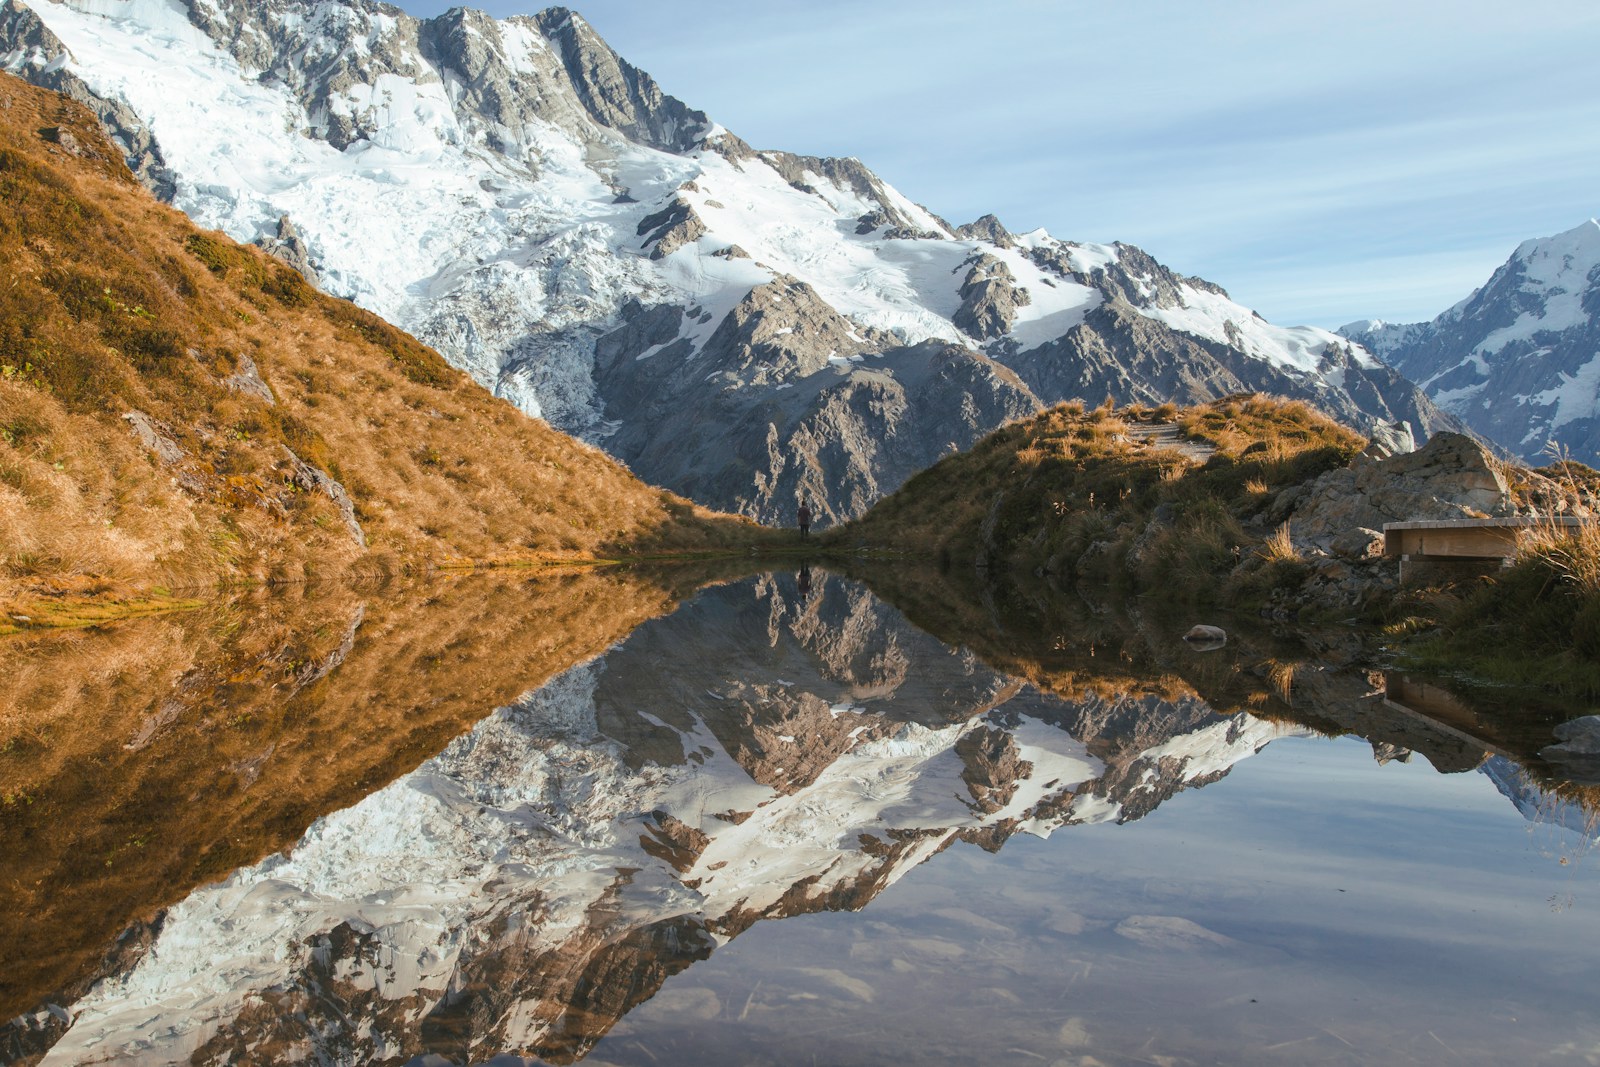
x=1343 y=512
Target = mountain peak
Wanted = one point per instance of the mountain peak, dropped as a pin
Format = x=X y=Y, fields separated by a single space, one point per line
x=1517 y=359
x=1581 y=243
x=617 y=94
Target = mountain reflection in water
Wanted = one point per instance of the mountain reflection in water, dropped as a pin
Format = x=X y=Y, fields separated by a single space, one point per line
x=791 y=747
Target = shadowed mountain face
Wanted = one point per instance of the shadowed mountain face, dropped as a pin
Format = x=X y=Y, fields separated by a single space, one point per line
x=746 y=327
x=781 y=746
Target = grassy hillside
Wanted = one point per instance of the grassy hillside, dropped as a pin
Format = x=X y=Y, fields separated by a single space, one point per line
x=178 y=410
x=1072 y=491
x=1175 y=504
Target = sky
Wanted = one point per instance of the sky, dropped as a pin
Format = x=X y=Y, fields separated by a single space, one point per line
x=1323 y=162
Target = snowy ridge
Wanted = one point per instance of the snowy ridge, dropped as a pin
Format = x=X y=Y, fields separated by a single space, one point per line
x=568 y=827
x=1518 y=359
x=511 y=190
x=1538 y=804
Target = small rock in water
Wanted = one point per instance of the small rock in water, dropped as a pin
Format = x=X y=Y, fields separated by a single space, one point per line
x=1579 y=737
x=1170 y=933
x=1206 y=638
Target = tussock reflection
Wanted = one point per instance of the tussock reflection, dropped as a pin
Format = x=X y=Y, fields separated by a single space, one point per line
x=146 y=759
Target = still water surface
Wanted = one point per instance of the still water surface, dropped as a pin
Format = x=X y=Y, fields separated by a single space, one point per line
x=782 y=825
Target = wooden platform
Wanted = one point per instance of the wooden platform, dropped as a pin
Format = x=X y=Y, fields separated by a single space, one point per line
x=1459 y=548
x=1441 y=710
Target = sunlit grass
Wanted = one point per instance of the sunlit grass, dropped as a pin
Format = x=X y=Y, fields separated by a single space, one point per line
x=1072 y=492
x=114 y=304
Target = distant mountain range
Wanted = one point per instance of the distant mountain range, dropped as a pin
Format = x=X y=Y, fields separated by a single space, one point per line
x=1519 y=359
x=746 y=327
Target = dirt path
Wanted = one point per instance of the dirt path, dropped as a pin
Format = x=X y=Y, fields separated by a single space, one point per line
x=1168 y=435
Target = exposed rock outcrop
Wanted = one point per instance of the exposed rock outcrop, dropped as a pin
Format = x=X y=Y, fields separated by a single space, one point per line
x=890 y=214
x=156 y=438
x=989 y=300
x=987 y=228
x=311 y=479
x=993 y=766
x=287 y=246
x=670 y=229
x=248 y=381
x=617 y=94
x=1343 y=511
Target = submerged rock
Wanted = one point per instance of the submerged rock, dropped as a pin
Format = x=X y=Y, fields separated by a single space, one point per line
x=1577 y=755
x=1578 y=737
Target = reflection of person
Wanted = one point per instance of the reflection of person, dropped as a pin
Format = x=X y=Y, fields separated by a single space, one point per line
x=804 y=515
x=802 y=582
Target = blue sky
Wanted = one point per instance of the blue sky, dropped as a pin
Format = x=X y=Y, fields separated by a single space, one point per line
x=1323 y=162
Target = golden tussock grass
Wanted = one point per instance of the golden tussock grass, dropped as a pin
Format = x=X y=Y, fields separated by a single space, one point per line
x=1571 y=553
x=1278 y=547
x=116 y=305
x=1071 y=491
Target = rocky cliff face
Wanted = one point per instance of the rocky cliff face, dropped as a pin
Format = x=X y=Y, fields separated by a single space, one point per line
x=598 y=252
x=1519 y=359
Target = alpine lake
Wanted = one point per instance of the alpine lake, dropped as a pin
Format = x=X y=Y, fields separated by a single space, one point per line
x=683 y=817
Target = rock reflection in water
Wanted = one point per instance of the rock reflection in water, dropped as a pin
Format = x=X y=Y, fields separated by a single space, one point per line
x=764 y=753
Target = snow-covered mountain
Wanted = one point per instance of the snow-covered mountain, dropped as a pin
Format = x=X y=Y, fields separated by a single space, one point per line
x=764 y=753
x=742 y=326
x=1519 y=359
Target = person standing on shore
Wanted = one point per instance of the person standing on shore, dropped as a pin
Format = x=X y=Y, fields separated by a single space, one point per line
x=804 y=516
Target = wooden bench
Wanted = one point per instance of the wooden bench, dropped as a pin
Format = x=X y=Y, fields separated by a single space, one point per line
x=1459 y=547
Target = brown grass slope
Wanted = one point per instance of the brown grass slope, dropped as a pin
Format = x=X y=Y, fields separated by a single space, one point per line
x=138 y=447
x=1071 y=492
